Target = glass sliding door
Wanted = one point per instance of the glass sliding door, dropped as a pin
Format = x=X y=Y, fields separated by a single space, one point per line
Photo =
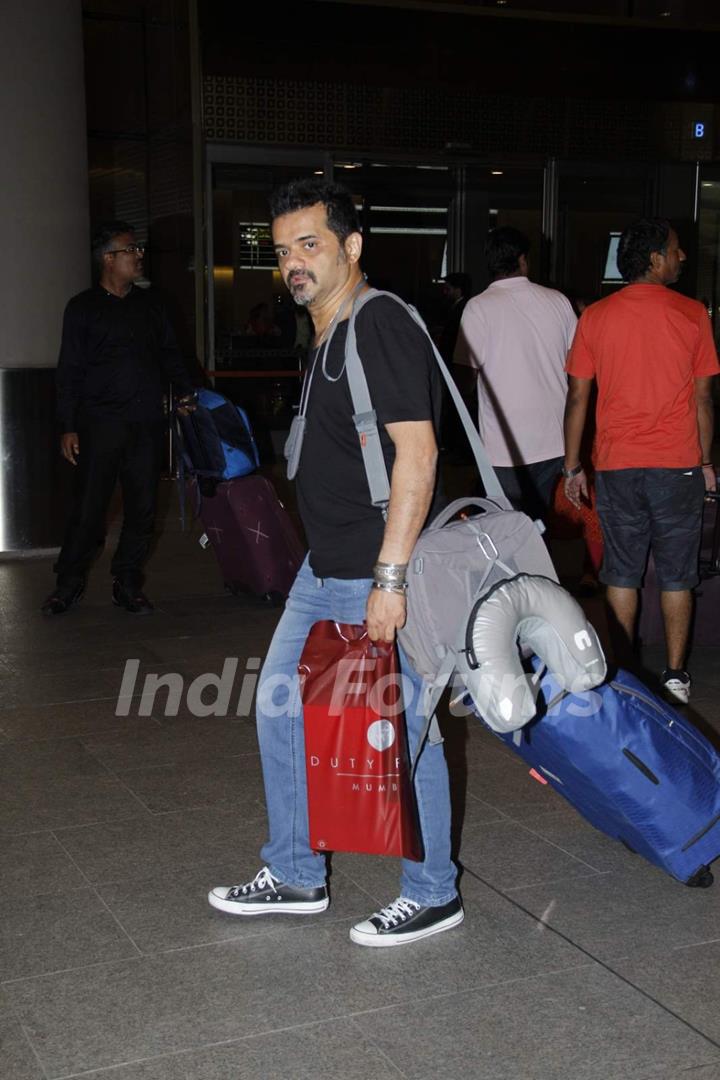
x=257 y=338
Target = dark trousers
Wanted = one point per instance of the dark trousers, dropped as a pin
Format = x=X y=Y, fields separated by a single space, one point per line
x=112 y=450
x=530 y=487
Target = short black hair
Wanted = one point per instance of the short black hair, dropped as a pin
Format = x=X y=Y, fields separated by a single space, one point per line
x=503 y=249
x=300 y=194
x=637 y=243
x=103 y=237
x=460 y=281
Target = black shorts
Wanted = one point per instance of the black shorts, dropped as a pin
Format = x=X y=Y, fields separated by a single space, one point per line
x=643 y=509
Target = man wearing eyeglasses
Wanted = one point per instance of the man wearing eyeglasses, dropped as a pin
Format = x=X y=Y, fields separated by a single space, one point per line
x=118 y=354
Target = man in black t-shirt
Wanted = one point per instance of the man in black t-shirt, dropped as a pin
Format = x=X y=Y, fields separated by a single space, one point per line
x=117 y=356
x=355 y=569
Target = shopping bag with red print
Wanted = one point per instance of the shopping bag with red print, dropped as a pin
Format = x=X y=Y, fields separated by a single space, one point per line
x=360 y=795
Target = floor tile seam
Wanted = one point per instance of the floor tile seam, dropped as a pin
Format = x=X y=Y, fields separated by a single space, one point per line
x=9 y=983
x=379 y=1050
x=141 y=958
x=250 y=815
x=198 y=867
x=86 y=887
x=564 y=810
x=198 y=761
x=58 y=780
x=137 y=880
x=590 y=876
x=73 y=860
x=204 y=810
x=25 y=832
x=604 y=964
x=135 y=797
x=118 y=923
x=696 y=1068
x=468 y=988
x=36 y=1056
x=201 y=1047
x=65 y=701
x=696 y=944
x=559 y=847
x=99 y=822
x=271 y=930
x=74 y=701
x=81 y=735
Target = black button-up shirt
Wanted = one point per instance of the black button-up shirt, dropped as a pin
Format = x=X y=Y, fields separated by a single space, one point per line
x=117 y=356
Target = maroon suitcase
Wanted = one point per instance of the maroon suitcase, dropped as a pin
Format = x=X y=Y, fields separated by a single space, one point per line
x=706 y=623
x=254 y=540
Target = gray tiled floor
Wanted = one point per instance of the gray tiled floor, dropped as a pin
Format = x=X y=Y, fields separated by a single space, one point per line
x=576 y=961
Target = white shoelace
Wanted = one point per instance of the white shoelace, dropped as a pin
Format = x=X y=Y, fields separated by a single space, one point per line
x=397 y=912
x=262 y=880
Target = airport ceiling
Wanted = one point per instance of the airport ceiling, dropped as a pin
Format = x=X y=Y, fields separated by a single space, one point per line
x=689 y=14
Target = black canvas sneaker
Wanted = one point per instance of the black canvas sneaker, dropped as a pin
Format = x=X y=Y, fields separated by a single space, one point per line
x=266 y=894
x=404 y=921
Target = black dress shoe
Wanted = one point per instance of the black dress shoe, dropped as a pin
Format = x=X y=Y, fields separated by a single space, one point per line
x=132 y=599
x=62 y=598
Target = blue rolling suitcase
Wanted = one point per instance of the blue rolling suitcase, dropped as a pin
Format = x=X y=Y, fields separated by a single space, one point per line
x=634 y=767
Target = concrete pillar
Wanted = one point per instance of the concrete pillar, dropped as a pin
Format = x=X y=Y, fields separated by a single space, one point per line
x=45 y=249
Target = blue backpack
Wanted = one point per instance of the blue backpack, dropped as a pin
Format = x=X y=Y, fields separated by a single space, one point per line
x=216 y=442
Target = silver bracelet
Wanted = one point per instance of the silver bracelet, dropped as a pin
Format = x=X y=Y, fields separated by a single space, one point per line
x=394 y=587
x=570 y=473
x=391 y=572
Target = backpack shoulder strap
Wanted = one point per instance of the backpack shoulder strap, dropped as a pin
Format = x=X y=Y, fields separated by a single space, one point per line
x=365 y=417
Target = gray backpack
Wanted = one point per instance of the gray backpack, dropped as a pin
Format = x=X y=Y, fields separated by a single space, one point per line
x=471 y=546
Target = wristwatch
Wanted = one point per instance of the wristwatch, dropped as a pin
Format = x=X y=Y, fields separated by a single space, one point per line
x=575 y=471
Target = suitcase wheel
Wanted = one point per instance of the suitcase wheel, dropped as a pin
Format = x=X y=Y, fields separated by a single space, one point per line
x=275 y=599
x=702 y=879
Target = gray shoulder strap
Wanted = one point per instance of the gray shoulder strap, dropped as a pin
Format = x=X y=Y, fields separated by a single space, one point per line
x=365 y=417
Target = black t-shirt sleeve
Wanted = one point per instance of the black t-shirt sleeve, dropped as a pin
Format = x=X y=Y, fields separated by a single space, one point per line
x=398 y=361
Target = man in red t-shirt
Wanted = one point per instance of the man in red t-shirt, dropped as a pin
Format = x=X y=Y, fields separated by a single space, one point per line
x=652 y=354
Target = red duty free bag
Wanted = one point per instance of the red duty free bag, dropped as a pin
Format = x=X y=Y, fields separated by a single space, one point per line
x=360 y=795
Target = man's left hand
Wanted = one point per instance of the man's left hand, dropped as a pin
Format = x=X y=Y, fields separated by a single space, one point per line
x=386 y=614
x=576 y=489
x=187 y=404
x=710 y=477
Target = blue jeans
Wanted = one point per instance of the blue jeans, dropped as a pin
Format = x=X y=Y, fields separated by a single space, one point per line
x=282 y=748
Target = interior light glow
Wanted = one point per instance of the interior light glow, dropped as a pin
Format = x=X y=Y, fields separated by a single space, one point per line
x=410 y=209
x=399 y=231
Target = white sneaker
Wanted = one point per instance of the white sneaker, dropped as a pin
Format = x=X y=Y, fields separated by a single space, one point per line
x=676 y=686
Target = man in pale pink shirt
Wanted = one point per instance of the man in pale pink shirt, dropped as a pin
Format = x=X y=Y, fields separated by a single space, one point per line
x=516 y=336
